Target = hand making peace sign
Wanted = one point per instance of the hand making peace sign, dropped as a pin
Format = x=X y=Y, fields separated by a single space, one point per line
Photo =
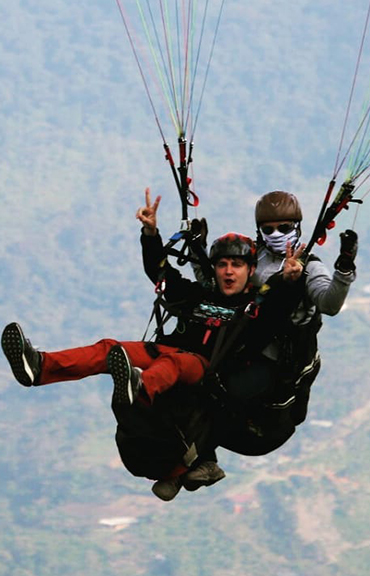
x=148 y=214
x=293 y=267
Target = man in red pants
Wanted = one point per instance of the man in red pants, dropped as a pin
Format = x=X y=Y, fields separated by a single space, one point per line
x=182 y=356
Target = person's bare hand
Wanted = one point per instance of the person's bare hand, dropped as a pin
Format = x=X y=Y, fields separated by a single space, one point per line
x=293 y=268
x=148 y=214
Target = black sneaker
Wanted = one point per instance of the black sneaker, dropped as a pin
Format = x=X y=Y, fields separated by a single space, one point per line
x=167 y=489
x=127 y=380
x=24 y=360
x=206 y=474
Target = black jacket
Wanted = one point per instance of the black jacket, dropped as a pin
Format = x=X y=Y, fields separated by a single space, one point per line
x=197 y=328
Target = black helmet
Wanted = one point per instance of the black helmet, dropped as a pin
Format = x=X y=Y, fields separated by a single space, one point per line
x=234 y=244
x=277 y=206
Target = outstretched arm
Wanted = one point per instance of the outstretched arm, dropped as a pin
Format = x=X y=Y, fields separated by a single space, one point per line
x=148 y=214
x=328 y=293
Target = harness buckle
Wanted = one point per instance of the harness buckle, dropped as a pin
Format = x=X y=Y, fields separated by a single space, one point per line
x=252 y=310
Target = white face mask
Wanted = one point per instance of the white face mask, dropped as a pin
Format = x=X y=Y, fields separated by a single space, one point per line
x=277 y=241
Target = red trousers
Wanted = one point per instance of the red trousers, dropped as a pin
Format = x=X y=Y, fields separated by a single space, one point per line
x=158 y=375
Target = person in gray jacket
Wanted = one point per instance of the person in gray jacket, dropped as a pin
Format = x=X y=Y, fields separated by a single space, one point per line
x=295 y=355
x=278 y=218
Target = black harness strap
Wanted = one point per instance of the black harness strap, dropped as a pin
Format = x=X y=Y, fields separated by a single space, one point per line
x=250 y=312
x=191 y=251
x=169 y=311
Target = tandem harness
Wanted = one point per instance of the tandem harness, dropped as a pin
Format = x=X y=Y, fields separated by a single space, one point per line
x=229 y=323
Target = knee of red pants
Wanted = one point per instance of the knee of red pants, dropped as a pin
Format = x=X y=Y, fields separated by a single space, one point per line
x=170 y=368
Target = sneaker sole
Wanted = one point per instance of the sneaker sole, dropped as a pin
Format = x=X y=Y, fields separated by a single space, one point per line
x=12 y=342
x=119 y=366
